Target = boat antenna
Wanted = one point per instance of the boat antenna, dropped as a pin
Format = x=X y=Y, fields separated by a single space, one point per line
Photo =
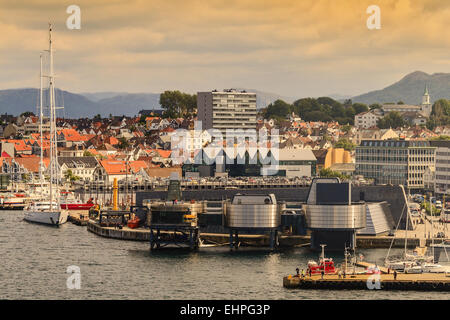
x=323 y=251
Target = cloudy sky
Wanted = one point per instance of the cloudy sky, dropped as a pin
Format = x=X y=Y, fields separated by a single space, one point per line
x=295 y=48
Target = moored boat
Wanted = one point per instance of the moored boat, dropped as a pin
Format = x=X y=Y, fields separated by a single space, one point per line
x=325 y=265
x=12 y=203
x=42 y=212
x=69 y=202
x=48 y=211
x=133 y=223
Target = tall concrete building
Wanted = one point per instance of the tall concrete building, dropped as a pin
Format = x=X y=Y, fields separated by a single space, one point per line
x=395 y=161
x=227 y=109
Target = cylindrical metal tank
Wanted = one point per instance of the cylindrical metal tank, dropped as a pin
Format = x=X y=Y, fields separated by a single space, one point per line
x=336 y=216
x=253 y=211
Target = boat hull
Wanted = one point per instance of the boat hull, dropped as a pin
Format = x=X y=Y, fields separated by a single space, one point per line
x=76 y=206
x=54 y=218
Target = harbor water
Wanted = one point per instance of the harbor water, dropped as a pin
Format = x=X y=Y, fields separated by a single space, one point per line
x=35 y=259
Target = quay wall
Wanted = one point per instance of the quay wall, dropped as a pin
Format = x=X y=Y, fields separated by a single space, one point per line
x=142 y=234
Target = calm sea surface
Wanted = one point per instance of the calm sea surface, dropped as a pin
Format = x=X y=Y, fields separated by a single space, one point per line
x=34 y=260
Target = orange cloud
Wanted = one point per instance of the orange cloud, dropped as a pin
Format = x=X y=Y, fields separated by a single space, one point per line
x=295 y=48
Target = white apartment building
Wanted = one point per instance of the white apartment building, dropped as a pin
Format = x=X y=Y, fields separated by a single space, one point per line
x=227 y=109
x=367 y=119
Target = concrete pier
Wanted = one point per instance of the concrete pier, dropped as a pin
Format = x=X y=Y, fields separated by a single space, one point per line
x=123 y=234
x=143 y=234
x=416 y=282
x=79 y=217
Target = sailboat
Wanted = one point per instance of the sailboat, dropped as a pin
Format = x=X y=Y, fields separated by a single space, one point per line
x=48 y=211
x=418 y=262
x=408 y=261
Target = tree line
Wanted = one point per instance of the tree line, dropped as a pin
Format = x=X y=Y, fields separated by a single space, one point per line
x=440 y=114
x=315 y=109
x=178 y=104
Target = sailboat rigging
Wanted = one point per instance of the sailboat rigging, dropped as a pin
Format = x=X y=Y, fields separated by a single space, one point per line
x=48 y=211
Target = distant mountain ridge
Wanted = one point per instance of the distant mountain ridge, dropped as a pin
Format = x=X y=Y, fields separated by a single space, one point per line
x=78 y=105
x=17 y=101
x=410 y=89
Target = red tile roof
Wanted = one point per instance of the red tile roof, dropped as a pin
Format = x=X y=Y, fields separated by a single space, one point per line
x=120 y=167
x=31 y=163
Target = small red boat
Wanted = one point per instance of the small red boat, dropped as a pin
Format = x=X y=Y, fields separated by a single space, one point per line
x=133 y=223
x=325 y=264
x=74 y=204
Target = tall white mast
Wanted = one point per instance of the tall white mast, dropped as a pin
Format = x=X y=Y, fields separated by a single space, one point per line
x=41 y=122
x=53 y=133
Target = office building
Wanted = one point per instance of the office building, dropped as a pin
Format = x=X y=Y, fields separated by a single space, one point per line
x=395 y=161
x=442 y=169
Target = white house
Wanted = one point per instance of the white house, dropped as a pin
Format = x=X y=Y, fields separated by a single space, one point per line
x=367 y=119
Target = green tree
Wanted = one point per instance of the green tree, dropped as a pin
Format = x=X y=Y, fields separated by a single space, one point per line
x=440 y=114
x=277 y=110
x=328 y=173
x=345 y=144
x=142 y=120
x=123 y=143
x=391 y=120
x=70 y=176
x=86 y=153
x=178 y=104
x=346 y=128
x=426 y=205
x=360 y=107
x=441 y=137
x=375 y=106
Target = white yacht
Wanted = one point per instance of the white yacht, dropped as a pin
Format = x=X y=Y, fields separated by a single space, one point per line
x=48 y=211
x=41 y=212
